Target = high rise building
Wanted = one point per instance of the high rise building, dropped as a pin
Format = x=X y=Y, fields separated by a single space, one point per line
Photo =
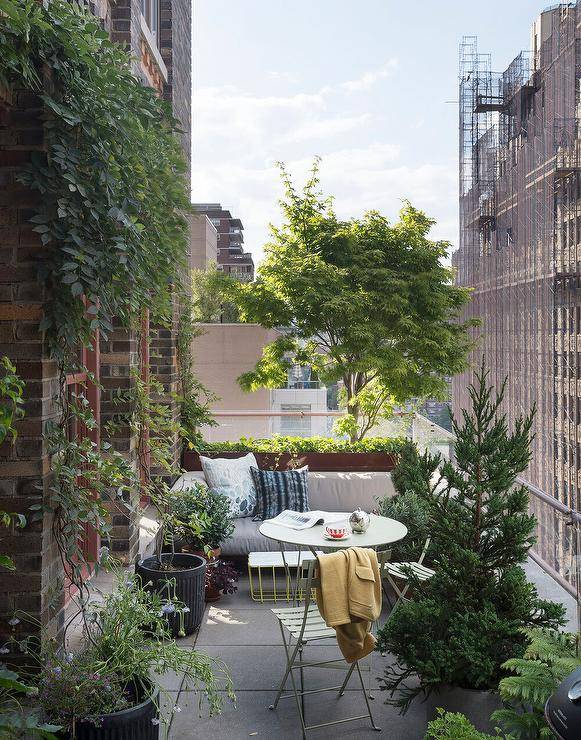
x=520 y=246
x=232 y=258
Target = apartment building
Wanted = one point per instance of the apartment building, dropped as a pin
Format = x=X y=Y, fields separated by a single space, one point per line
x=221 y=354
x=520 y=247
x=232 y=258
x=204 y=242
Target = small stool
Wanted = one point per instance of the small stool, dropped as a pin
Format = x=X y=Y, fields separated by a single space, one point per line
x=270 y=562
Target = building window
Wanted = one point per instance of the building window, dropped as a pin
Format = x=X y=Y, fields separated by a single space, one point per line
x=295 y=426
x=150 y=12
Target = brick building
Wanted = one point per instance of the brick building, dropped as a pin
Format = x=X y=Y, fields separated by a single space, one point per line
x=520 y=248
x=158 y=35
x=232 y=258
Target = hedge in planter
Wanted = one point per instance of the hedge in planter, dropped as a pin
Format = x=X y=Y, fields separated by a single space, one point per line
x=468 y=619
x=297 y=445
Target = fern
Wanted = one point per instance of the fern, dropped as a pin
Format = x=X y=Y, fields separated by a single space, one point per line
x=548 y=659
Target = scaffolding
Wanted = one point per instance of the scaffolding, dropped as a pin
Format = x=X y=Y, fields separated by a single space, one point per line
x=520 y=246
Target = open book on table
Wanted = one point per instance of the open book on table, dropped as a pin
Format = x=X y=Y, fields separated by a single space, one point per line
x=307 y=519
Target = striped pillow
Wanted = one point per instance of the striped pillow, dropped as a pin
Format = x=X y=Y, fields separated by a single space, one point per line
x=277 y=490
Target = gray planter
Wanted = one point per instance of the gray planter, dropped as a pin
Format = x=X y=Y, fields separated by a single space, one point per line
x=476 y=705
x=186 y=585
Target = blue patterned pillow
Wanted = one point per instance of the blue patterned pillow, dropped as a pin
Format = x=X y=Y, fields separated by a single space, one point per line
x=277 y=490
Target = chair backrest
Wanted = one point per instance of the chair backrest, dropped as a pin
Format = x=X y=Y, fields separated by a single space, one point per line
x=425 y=550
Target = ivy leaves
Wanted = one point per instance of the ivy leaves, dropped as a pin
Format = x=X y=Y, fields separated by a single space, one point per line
x=112 y=176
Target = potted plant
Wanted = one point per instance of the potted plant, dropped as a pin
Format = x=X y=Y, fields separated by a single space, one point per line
x=110 y=687
x=177 y=576
x=468 y=619
x=549 y=658
x=202 y=520
x=455 y=726
x=221 y=577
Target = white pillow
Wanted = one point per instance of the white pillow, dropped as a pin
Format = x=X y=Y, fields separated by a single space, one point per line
x=233 y=478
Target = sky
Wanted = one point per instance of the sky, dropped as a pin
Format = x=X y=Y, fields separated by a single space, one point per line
x=369 y=86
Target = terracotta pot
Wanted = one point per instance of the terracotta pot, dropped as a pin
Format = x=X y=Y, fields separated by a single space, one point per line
x=212 y=594
x=476 y=705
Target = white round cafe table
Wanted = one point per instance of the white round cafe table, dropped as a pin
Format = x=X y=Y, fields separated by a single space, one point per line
x=381 y=531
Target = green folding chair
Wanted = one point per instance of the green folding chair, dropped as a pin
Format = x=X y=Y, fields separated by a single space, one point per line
x=397 y=573
x=300 y=626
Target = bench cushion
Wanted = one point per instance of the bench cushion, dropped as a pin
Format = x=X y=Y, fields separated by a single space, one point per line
x=327 y=492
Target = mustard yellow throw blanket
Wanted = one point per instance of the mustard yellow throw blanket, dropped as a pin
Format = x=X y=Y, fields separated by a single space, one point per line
x=349 y=598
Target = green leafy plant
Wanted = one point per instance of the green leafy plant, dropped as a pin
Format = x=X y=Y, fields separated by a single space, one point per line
x=11 y=399
x=548 y=659
x=365 y=301
x=86 y=475
x=210 y=301
x=11 y=409
x=455 y=726
x=15 y=720
x=415 y=471
x=128 y=645
x=113 y=190
x=410 y=509
x=112 y=174
x=299 y=445
x=203 y=517
x=70 y=691
x=468 y=619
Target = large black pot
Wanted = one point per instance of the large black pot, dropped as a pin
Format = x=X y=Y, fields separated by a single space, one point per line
x=139 y=722
x=476 y=705
x=185 y=585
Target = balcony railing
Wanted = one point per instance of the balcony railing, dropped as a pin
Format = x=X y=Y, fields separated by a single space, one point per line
x=302 y=384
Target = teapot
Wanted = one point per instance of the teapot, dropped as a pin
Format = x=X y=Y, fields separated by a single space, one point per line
x=359 y=521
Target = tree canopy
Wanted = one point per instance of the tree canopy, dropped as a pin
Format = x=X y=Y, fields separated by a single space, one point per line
x=364 y=301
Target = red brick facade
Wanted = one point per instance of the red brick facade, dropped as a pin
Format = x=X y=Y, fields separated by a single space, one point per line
x=36 y=586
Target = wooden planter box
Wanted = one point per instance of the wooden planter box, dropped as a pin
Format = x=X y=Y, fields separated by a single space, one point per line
x=345 y=462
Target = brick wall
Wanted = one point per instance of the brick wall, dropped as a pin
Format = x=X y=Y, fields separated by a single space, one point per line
x=118 y=358
x=35 y=586
x=176 y=52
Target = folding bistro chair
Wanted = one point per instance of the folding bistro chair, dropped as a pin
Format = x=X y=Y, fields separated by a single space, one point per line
x=401 y=572
x=299 y=626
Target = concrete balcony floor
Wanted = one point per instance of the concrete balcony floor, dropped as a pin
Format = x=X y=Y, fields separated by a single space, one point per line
x=246 y=636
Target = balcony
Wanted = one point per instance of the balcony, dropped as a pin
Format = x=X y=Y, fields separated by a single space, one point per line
x=243 y=632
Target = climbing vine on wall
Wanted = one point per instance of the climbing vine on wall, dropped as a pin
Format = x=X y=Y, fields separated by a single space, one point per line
x=113 y=186
x=112 y=177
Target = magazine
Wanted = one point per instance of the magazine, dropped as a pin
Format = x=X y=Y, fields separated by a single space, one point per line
x=307 y=519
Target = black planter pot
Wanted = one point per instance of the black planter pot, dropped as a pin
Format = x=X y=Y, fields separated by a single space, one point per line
x=476 y=705
x=185 y=585
x=136 y=723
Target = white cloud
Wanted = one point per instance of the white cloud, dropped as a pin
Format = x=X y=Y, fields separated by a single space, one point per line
x=318 y=128
x=238 y=138
x=368 y=79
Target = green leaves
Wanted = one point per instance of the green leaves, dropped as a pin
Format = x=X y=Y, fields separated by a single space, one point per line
x=113 y=177
x=468 y=620
x=368 y=302
x=549 y=657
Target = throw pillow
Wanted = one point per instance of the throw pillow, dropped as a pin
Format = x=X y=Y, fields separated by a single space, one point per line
x=277 y=490
x=232 y=477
